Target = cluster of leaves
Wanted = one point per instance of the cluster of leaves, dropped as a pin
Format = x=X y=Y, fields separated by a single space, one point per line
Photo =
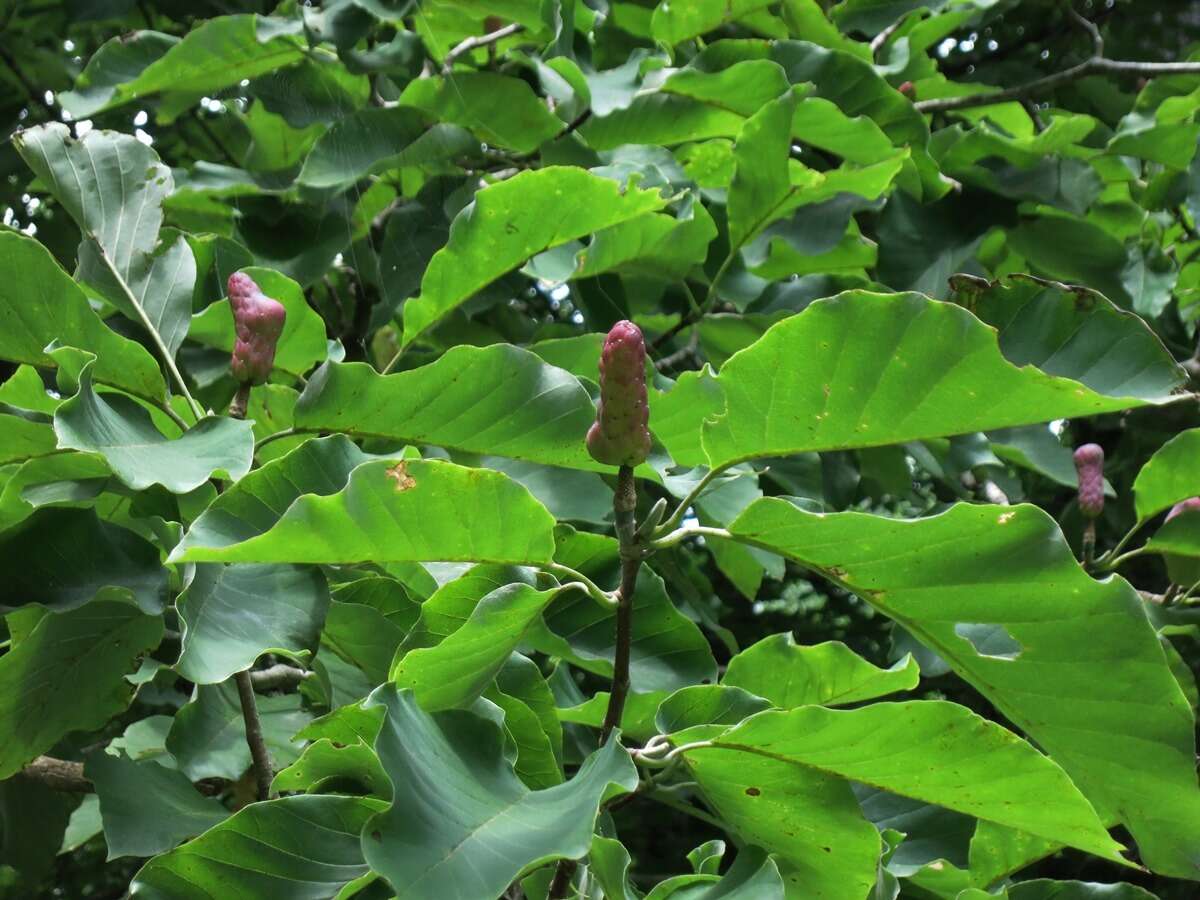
x=867 y=288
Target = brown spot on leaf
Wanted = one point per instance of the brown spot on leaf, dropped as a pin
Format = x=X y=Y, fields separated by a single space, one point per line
x=399 y=474
x=752 y=792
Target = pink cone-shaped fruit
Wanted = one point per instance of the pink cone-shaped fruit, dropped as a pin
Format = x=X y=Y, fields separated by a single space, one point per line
x=1089 y=464
x=258 y=321
x=619 y=436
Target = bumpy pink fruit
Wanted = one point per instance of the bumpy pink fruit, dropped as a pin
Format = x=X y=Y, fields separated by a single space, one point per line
x=1089 y=464
x=619 y=436
x=1183 y=506
x=258 y=321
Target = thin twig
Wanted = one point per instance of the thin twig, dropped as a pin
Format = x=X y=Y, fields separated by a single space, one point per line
x=280 y=676
x=1040 y=85
x=477 y=41
x=880 y=39
x=263 y=772
x=1090 y=27
x=562 y=879
x=624 y=508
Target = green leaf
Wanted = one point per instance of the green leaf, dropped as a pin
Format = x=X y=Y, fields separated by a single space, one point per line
x=673 y=23
x=378 y=140
x=512 y=220
x=326 y=767
x=1169 y=475
x=471 y=831
x=208 y=735
x=1073 y=332
x=706 y=704
x=457 y=670
x=230 y=615
x=302 y=344
x=499 y=110
x=364 y=637
x=119 y=60
x=139 y=454
x=216 y=54
x=761 y=183
x=304 y=846
x=106 y=560
x=252 y=506
x=40 y=304
x=500 y=400
x=147 y=808
x=880 y=369
x=1045 y=889
x=113 y=186
x=68 y=674
x=63 y=479
x=407 y=510
x=1003 y=601
x=827 y=674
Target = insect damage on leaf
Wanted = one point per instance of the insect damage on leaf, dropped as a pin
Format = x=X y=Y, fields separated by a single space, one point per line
x=399 y=474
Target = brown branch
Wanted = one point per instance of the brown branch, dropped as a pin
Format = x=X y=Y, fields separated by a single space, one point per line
x=278 y=677
x=562 y=879
x=477 y=41
x=1095 y=65
x=58 y=774
x=624 y=507
x=263 y=772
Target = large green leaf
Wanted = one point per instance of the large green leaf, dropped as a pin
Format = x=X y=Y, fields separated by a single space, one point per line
x=40 y=304
x=139 y=454
x=216 y=54
x=304 y=846
x=113 y=186
x=828 y=674
x=673 y=23
x=147 y=808
x=468 y=833
x=512 y=220
x=376 y=140
x=500 y=400
x=105 y=559
x=502 y=111
x=996 y=593
x=458 y=669
x=68 y=674
x=252 y=506
x=406 y=510
x=233 y=614
x=761 y=184
x=756 y=774
x=879 y=369
x=1073 y=332
x=1170 y=475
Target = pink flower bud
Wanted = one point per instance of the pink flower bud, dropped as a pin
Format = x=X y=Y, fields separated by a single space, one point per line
x=1089 y=464
x=258 y=321
x=1183 y=506
x=619 y=436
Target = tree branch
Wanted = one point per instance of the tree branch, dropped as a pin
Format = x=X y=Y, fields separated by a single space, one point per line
x=263 y=772
x=278 y=677
x=624 y=507
x=58 y=774
x=477 y=41
x=1095 y=65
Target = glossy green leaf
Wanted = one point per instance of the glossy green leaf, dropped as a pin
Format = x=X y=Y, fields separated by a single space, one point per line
x=39 y=304
x=68 y=674
x=106 y=560
x=252 y=506
x=230 y=615
x=501 y=111
x=880 y=369
x=147 y=808
x=139 y=454
x=326 y=767
x=1170 y=475
x=457 y=670
x=509 y=222
x=216 y=54
x=673 y=23
x=301 y=846
x=62 y=479
x=376 y=140
x=827 y=674
x=1003 y=601
x=498 y=400
x=469 y=833
x=761 y=183
x=409 y=510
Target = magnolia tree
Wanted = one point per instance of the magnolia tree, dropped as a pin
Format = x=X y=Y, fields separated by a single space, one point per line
x=589 y=448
